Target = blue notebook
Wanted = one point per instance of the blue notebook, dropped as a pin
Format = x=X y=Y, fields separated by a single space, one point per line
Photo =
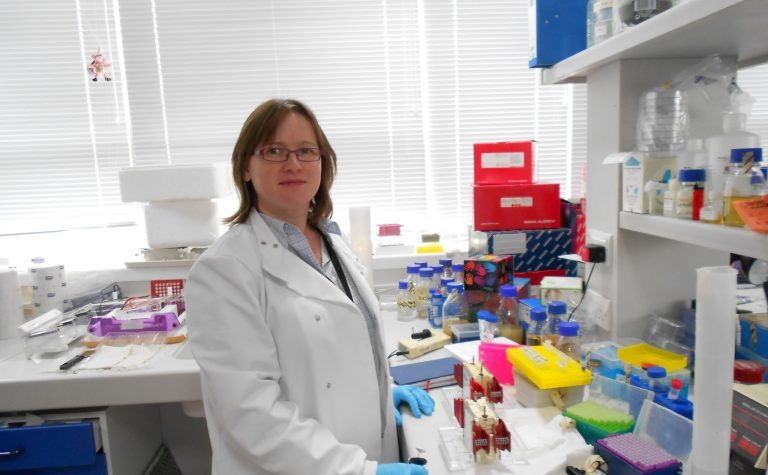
x=439 y=371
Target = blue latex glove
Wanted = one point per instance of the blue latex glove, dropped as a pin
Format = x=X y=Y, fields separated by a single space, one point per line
x=418 y=400
x=401 y=469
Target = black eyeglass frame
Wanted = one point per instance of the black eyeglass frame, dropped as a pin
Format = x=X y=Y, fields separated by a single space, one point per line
x=288 y=152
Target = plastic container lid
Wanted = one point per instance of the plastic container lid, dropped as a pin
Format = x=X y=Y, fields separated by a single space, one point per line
x=538 y=314
x=444 y=281
x=445 y=262
x=436 y=269
x=457 y=267
x=748 y=372
x=692 y=174
x=458 y=286
x=657 y=372
x=403 y=285
x=676 y=384
x=413 y=269
x=426 y=272
x=487 y=316
x=643 y=352
x=568 y=328
x=508 y=290
x=547 y=368
x=738 y=154
x=556 y=307
x=422 y=264
x=765 y=172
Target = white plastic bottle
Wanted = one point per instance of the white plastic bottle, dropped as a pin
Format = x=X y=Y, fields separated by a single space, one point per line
x=734 y=135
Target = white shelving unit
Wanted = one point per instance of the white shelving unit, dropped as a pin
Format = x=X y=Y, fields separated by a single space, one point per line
x=653 y=259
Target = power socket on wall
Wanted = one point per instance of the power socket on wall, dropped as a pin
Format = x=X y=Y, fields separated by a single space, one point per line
x=603 y=239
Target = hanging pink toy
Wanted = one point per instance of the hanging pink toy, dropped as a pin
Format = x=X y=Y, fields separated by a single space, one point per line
x=99 y=67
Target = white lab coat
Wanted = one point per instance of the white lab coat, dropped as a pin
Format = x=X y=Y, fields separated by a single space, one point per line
x=289 y=382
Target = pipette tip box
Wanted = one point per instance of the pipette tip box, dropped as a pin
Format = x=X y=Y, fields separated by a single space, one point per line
x=627 y=454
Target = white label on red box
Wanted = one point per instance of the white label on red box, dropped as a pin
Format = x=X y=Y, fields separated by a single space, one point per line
x=503 y=160
x=516 y=202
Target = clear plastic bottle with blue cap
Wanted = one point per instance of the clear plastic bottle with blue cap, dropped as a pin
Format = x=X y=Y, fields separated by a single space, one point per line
x=447 y=269
x=538 y=331
x=507 y=314
x=556 y=311
x=455 y=307
x=436 y=310
x=488 y=325
x=656 y=379
x=568 y=339
x=406 y=303
x=423 y=295
x=690 y=195
x=458 y=273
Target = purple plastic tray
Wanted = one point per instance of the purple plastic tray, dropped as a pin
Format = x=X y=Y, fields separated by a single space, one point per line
x=158 y=322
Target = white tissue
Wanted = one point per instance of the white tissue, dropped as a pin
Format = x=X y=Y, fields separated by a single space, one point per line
x=119 y=357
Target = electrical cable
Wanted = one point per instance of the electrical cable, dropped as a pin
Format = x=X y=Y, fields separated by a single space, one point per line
x=397 y=353
x=584 y=293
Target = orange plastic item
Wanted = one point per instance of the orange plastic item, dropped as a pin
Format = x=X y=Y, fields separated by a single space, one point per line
x=754 y=213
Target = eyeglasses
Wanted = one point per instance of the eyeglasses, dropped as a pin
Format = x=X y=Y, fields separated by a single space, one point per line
x=281 y=154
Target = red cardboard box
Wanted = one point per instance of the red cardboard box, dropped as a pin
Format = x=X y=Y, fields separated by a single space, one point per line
x=503 y=163
x=524 y=206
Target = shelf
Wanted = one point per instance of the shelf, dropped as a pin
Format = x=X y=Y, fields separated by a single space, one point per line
x=693 y=29
x=736 y=240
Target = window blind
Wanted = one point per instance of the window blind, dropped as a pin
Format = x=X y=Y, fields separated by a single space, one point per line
x=403 y=88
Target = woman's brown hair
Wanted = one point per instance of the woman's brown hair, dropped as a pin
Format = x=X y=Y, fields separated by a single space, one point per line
x=259 y=128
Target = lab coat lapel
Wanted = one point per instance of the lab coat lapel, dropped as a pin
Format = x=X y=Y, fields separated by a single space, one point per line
x=282 y=264
x=355 y=271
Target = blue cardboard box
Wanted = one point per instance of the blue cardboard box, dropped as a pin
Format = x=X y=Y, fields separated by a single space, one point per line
x=558 y=30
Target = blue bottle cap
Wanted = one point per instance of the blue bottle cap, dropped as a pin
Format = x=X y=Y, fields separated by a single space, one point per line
x=538 y=314
x=692 y=174
x=403 y=285
x=487 y=316
x=444 y=281
x=413 y=269
x=459 y=267
x=421 y=264
x=436 y=269
x=765 y=172
x=508 y=290
x=757 y=179
x=426 y=272
x=435 y=292
x=738 y=155
x=445 y=262
x=568 y=328
x=456 y=286
x=556 y=307
x=657 y=372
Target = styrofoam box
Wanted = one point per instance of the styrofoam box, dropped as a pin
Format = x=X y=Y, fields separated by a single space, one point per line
x=180 y=223
x=530 y=396
x=175 y=182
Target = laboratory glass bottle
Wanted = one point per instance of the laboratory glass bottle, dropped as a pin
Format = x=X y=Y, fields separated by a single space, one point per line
x=507 y=314
x=421 y=264
x=458 y=273
x=690 y=196
x=412 y=277
x=437 y=272
x=423 y=296
x=436 y=309
x=444 y=281
x=738 y=185
x=556 y=311
x=673 y=186
x=455 y=307
x=734 y=135
x=568 y=339
x=537 y=330
x=488 y=325
x=712 y=212
x=447 y=270
x=406 y=303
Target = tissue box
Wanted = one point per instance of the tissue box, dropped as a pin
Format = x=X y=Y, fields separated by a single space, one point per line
x=565 y=289
x=521 y=206
x=639 y=168
x=558 y=29
x=504 y=162
x=487 y=272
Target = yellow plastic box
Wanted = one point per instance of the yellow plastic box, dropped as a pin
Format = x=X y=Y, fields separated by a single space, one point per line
x=641 y=353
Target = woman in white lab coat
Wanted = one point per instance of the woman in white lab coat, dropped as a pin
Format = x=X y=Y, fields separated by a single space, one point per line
x=283 y=324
